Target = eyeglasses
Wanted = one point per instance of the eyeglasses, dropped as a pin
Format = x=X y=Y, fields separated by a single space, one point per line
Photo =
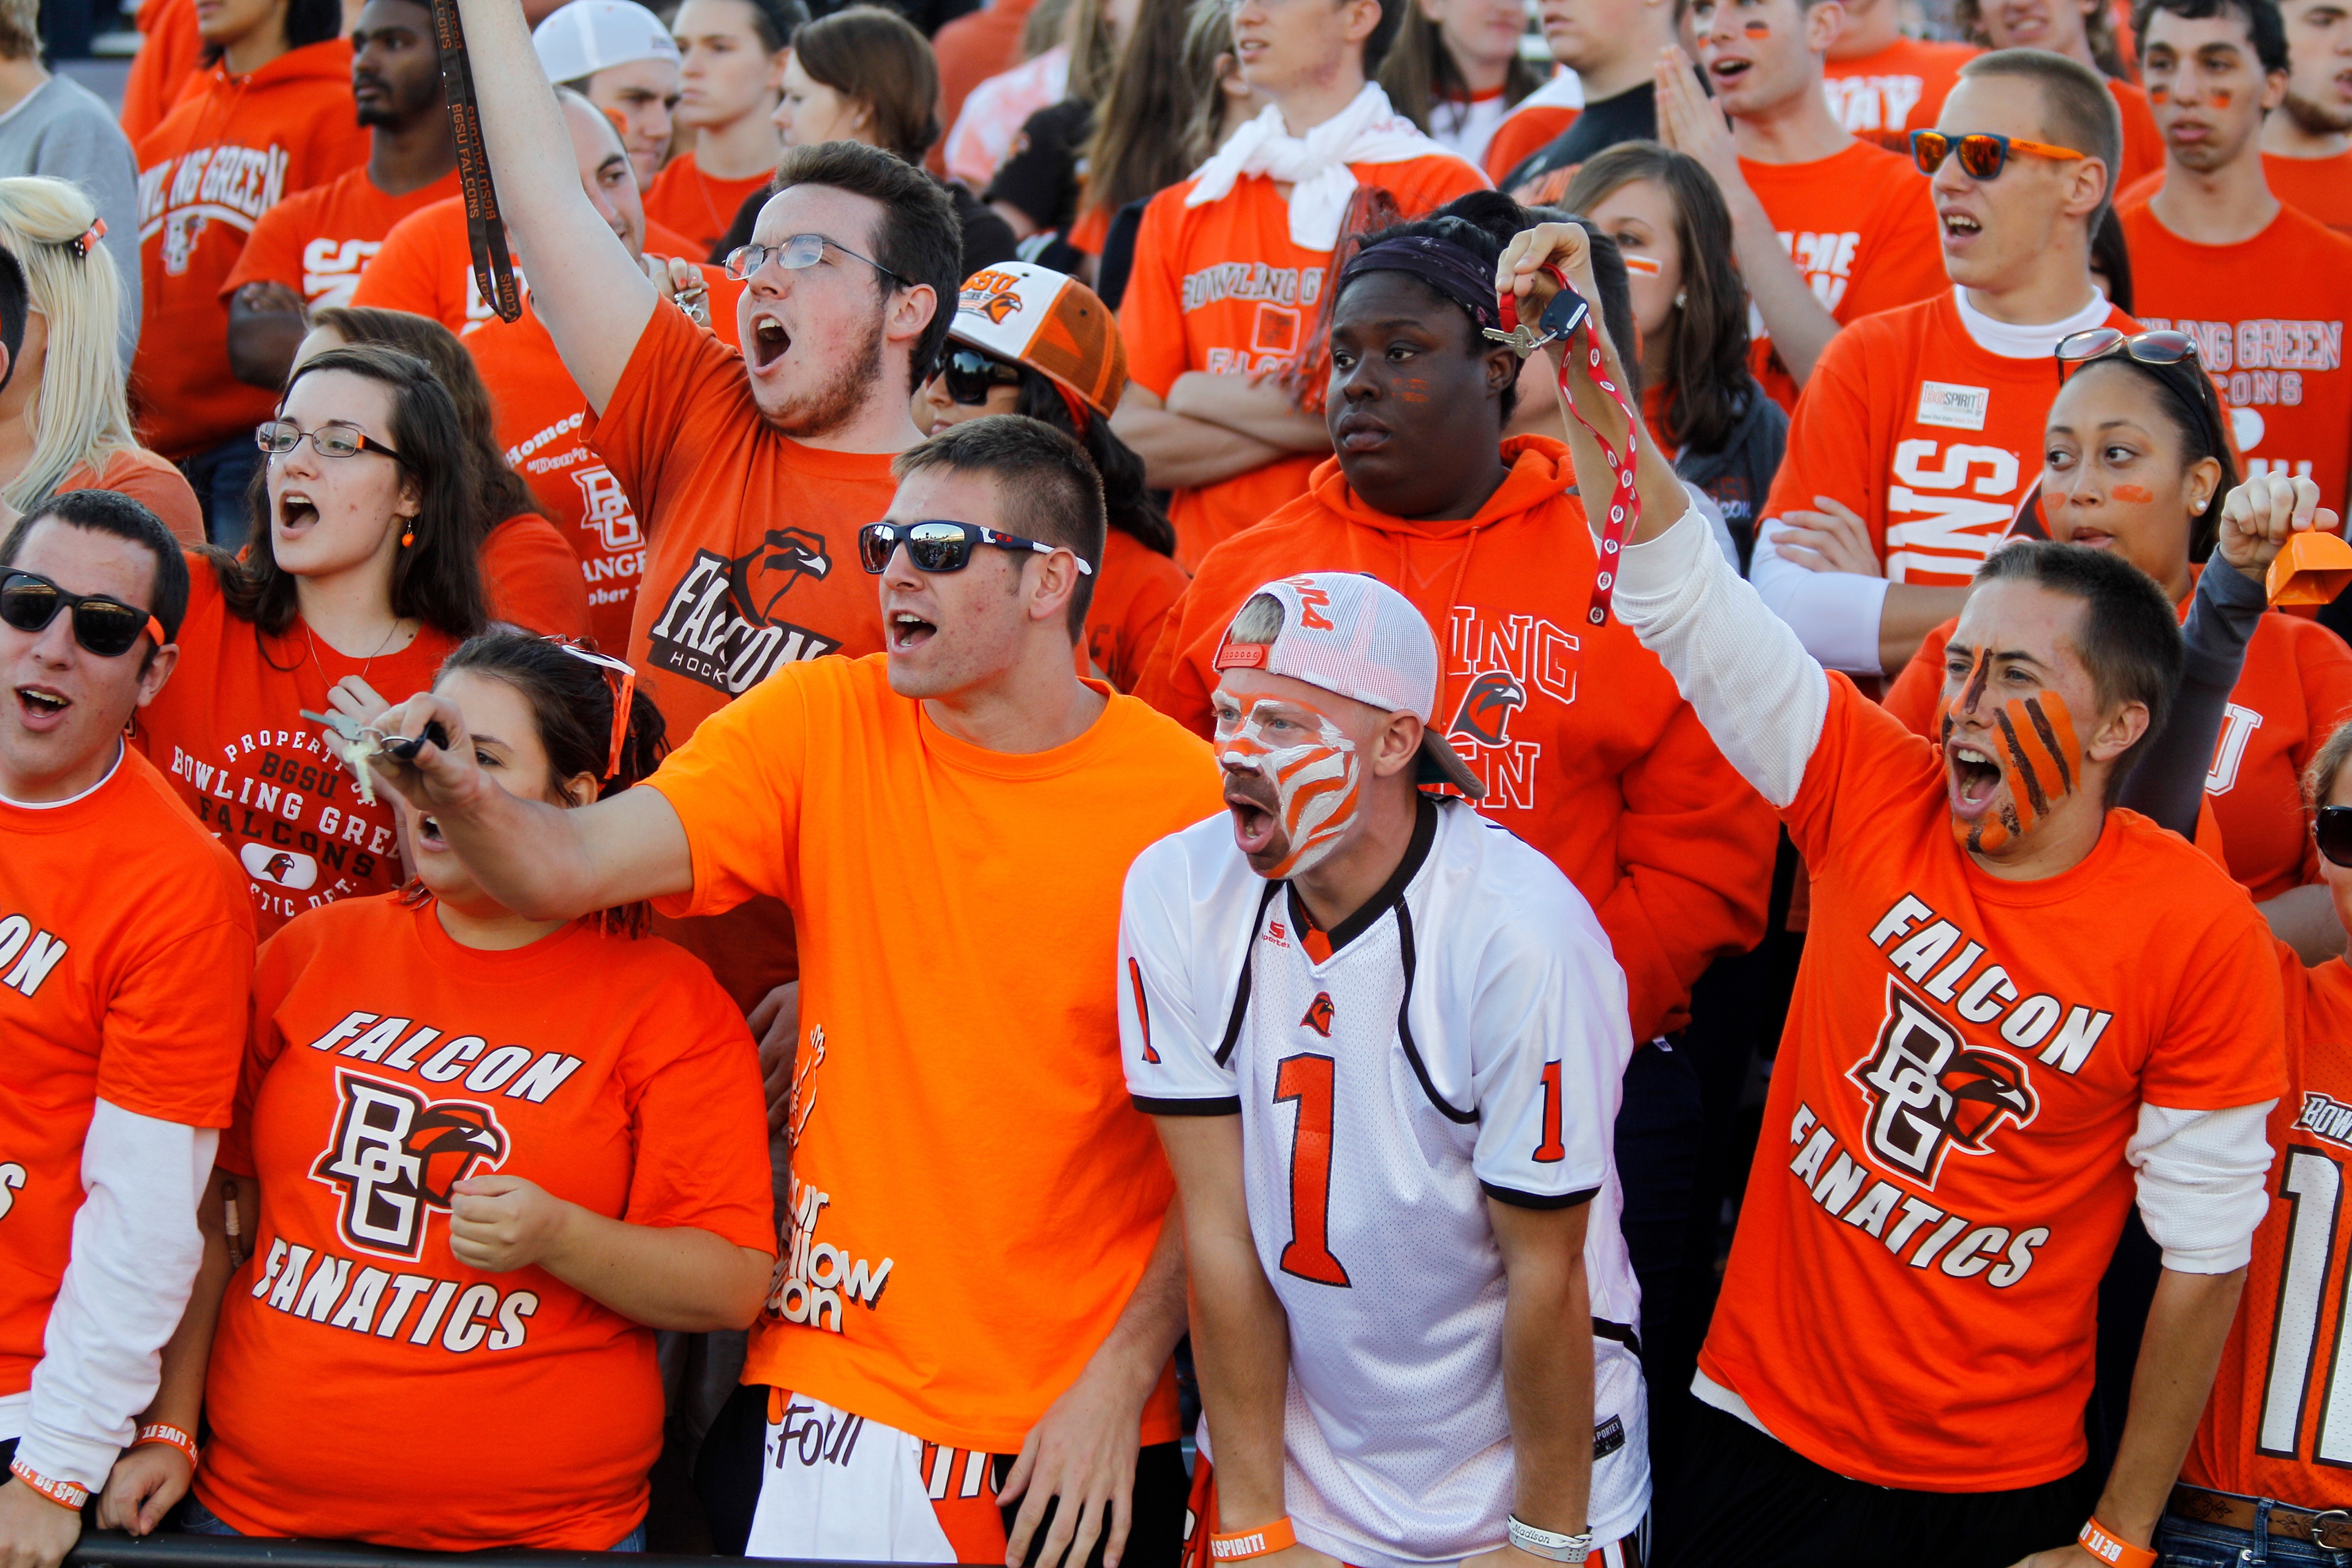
x=970 y=374
x=105 y=626
x=800 y=252
x=2159 y=348
x=938 y=545
x=332 y=439
x=1983 y=155
x=2331 y=829
x=622 y=680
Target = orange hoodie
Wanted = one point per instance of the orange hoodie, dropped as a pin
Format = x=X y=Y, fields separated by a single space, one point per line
x=230 y=149
x=1624 y=790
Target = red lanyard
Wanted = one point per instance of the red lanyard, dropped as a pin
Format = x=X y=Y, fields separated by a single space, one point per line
x=1624 y=501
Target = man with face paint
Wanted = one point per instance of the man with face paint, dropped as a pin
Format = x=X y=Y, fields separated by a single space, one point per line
x=2020 y=1010
x=2214 y=68
x=1374 y=1030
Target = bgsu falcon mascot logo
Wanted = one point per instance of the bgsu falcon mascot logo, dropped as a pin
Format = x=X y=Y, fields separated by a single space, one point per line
x=395 y=1156
x=767 y=573
x=1319 y=1015
x=1930 y=1092
x=1486 y=711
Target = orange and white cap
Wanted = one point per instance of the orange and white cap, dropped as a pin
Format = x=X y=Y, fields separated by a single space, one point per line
x=1049 y=321
x=1355 y=636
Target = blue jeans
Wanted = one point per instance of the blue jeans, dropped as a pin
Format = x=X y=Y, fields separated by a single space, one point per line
x=195 y=1518
x=221 y=478
x=2192 y=1544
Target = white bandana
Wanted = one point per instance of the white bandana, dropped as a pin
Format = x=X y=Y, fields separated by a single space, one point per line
x=1314 y=166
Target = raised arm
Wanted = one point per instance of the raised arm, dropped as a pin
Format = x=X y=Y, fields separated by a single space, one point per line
x=592 y=294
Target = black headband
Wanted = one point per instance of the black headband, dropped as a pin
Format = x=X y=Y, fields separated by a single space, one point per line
x=1452 y=270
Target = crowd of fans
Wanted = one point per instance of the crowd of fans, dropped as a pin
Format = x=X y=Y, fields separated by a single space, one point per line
x=674 y=921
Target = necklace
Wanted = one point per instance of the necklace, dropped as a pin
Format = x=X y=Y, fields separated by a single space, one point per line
x=365 y=666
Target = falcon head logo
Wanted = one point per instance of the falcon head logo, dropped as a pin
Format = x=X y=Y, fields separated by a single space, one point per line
x=766 y=574
x=278 y=866
x=394 y=1157
x=1319 y=1015
x=1486 y=711
x=999 y=306
x=1984 y=1087
x=449 y=1139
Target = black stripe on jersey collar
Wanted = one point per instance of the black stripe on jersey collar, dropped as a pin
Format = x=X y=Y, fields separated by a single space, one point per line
x=1242 y=990
x=1416 y=852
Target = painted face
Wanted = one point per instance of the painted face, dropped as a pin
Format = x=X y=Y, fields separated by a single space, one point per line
x=1293 y=782
x=2037 y=757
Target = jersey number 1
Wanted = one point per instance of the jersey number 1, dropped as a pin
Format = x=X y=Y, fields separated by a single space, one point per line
x=1305 y=1082
x=2313 y=1185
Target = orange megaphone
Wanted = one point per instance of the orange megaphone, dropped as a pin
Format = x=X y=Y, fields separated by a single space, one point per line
x=2313 y=569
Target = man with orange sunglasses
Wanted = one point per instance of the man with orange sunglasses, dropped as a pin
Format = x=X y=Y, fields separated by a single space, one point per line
x=1921 y=427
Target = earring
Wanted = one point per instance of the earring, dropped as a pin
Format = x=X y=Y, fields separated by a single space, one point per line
x=1682 y=298
x=407 y=538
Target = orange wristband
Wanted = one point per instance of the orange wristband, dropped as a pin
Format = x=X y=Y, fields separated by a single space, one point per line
x=1246 y=1543
x=2102 y=1543
x=65 y=1494
x=157 y=1431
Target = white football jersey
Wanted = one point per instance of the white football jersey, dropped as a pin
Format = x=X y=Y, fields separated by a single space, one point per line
x=1466 y=1038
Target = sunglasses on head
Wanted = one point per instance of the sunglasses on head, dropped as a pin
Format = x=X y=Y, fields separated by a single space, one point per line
x=2159 y=348
x=1983 y=155
x=971 y=374
x=621 y=678
x=939 y=545
x=105 y=626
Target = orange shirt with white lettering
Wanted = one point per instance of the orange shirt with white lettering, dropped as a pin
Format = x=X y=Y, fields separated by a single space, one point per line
x=126 y=946
x=973 y=1196
x=318 y=242
x=532 y=578
x=540 y=424
x=1943 y=1157
x=2272 y=1427
x=1885 y=96
x=230 y=150
x=1930 y=436
x=228 y=732
x=1862 y=231
x=699 y=206
x=2275 y=348
x=1134 y=592
x=2295 y=688
x=387 y=1063
x=2317 y=187
x=426 y=267
x=1222 y=287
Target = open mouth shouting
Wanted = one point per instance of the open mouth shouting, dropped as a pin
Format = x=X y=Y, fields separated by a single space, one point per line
x=1258 y=832
x=1728 y=71
x=1959 y=226
x=41 y=708
x=908 y=631
x=769 y=341
x=297 y=512
x=1975 y=779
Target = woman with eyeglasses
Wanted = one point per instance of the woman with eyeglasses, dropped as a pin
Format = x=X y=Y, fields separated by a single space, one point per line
x=477 y=1161
x=2136 y=460
x=1021 y=361
x=361 y=577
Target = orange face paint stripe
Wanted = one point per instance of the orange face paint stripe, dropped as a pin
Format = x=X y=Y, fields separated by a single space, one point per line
x=2029 y=765
x=2056 y=727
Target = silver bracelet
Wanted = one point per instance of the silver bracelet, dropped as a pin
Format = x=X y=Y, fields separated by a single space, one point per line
x=1550 y=1543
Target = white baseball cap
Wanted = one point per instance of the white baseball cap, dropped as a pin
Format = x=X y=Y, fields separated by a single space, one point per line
x=589 y=36
x=1048 y=320
x=1355 y=636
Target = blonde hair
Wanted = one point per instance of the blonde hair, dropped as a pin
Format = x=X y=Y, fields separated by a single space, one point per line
x=79 y=413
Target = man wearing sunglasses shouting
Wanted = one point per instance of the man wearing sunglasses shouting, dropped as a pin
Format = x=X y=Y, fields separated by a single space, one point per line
x=126 y=950
x=977 y=1297
x=1921 y=429
x=2263 y=289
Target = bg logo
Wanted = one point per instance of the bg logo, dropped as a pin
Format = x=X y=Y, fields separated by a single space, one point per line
x=395 y=1156
x=1929 y=1093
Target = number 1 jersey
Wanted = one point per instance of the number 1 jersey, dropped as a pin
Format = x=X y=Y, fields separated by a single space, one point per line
x=1463 y=1038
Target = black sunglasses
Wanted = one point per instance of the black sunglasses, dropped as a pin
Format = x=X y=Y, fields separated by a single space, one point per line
x=2331 y=829
x=970 y=374
x=936 y=544
x=107 y=627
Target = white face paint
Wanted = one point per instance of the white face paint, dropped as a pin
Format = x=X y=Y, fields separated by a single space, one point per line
x=1311 y=766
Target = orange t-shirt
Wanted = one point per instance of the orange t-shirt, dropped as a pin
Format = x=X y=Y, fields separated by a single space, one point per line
x=317 y=243
x=541 y=417
x=2295 y=688
x=228 y=731
x=533 y=578
x=699 y=206
x=387 y=1063
x=1931 y=438
x=2143 y=142
x=961 y=1130
x=2281 y=369
x=1860 y=229
x=1885 y=96
x=2317 y=187
x=154 y=482
x=1943 y=1155
x=426 y=267
x=169 y=49
x=126 y=986
x=1222 y=287
x=1626 y=794
x=230 y=150
x=1133 y=594
x=2271 y=1428
x=1523 y=132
